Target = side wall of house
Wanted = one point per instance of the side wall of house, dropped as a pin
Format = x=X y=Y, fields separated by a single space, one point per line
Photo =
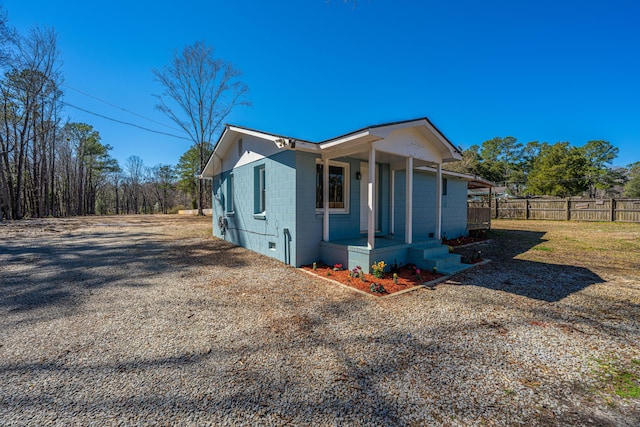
x=309 y=229
x=272 y=232
x=454 y=206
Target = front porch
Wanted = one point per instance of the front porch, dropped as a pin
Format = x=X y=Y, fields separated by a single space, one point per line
x=356 y=252
x=404 y=146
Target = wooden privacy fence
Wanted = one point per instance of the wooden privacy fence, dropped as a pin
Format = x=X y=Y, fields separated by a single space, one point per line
x=478 y=215
x=623 y=210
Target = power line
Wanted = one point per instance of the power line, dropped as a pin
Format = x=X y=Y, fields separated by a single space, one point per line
x=118 y=107
x=126 y=123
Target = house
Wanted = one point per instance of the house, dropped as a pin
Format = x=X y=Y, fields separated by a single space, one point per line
x=377 y=193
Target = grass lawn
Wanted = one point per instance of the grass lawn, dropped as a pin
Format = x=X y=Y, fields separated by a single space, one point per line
x=603 y=247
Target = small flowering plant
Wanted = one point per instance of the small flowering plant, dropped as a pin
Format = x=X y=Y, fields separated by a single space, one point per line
x=337 y=267
x=356 y=272
x=377 y=288
x=378 y=269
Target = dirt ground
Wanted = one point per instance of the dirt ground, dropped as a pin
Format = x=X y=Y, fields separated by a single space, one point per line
x=547 y=333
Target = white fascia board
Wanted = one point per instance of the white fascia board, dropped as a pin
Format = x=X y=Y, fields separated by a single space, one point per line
x=346 y=150
x=204 y=172
x=210 y=166
x=257 y=134
x=304 y=145
x=307 y=146
x=455 y=155
x=345 y=139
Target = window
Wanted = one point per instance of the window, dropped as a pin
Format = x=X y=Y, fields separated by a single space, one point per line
x=444 y=186
x=230 y=193
x=338 y=187
x=260 y=191
x=240 y=149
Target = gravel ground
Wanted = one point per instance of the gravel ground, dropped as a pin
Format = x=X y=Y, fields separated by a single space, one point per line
x=130 y=321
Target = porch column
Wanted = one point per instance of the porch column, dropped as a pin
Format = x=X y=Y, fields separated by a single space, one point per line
x=325 y=200
x=439 y=201
x=392 y=214
x=371 y=204
x=408 y=214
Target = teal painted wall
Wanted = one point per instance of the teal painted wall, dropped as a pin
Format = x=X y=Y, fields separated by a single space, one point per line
x=454 y=206
x=291 y=228
x=271 y=234
x=341 y=225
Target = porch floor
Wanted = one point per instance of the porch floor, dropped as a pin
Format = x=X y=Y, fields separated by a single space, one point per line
x=381 y=242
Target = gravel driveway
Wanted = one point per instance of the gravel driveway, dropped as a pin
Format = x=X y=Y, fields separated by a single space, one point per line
x=130 y=321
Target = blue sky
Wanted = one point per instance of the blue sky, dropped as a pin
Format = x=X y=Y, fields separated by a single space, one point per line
x=536 y=70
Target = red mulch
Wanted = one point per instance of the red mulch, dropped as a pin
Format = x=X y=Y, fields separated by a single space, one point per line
x=406 y=278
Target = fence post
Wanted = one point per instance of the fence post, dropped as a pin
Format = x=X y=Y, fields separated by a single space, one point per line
x=612 y=206
x=526 y=208
x=496 y=200
x=568 y=208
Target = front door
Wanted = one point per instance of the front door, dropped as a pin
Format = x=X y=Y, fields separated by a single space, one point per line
x=364 y=208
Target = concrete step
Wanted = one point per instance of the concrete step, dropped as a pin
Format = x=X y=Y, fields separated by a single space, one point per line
x=429 y=250
x=433 y=253
x=442 y=262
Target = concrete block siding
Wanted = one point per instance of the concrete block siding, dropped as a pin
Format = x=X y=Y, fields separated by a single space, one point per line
x=454 y=206
x=273 y=233
x=341 y=225
x=291 y=228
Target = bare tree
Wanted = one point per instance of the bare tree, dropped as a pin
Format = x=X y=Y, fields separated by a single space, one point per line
x=7 y=38
x=135 y=171
x=162 y=179
x=200 y=92
x=30 y=98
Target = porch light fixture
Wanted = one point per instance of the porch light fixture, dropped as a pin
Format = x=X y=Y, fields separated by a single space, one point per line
x=358 y=175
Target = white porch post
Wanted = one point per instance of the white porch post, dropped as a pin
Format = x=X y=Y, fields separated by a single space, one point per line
x=371 y=226
x=439 y=202
x=408 y=219
x=325 y=200
x=392 y=214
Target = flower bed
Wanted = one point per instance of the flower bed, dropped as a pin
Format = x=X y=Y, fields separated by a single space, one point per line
x=463 y=240
x=407 y=278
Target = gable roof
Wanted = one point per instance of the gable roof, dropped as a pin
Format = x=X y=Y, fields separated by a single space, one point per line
x=343 y=145
x=396 y=125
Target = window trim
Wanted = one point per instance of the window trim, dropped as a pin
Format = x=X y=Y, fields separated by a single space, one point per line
x=259 y=192
x=230 y=208
x=346 y=191
x=262 y=191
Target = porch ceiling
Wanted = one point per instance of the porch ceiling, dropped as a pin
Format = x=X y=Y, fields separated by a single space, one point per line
x=395 y=160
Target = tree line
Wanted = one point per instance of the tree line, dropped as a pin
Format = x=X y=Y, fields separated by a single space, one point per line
x=50 y=166
x=544 y=169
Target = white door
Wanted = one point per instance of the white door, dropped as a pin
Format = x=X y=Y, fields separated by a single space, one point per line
x=364 y=205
